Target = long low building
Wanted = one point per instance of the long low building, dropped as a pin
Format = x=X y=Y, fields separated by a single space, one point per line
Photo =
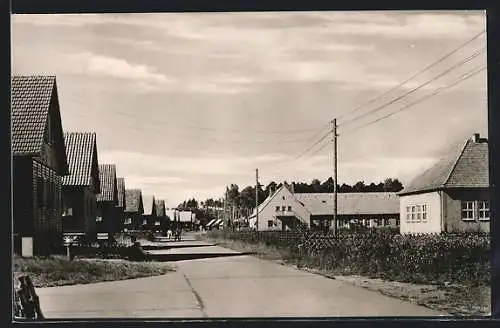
x=286 y=210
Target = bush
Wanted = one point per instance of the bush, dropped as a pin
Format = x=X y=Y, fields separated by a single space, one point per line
x=383 y=253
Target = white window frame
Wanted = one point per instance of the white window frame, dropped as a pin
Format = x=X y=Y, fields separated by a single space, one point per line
x=98 y=219
x=417 y=213
x=468 y=210
x=486 y=209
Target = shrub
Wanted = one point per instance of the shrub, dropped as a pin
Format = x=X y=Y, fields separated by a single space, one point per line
x=383 y=253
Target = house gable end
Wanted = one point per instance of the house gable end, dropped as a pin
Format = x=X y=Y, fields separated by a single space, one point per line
x=54 y=131
x=95 y=168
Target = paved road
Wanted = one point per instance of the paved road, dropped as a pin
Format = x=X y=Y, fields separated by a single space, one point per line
x=240 y=286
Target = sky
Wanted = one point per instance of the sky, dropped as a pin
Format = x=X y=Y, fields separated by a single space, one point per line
x=187 y=103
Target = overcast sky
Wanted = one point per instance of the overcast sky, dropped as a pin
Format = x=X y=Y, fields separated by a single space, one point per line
x=185 y=104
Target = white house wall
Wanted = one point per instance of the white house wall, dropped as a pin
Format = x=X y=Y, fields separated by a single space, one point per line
x=283 y=197
x=433 y=222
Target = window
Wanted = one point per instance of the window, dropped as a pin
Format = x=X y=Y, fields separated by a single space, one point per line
x=157 y=223
x=473 y=210
x=416 y=213
x=283 y=197
x=283 y=208
x=128 y=220
x=98 y=219
x=468 y=210
x=269 y=223
x=277 y=208
x=144 y=222
x=67 y=211
x=289 y=208
x=484 y=210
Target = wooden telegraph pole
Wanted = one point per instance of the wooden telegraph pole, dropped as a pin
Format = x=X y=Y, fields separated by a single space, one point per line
x=257 y=198
x=335 y=135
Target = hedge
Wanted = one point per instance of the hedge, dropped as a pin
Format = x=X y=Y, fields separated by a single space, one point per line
x=383 y=253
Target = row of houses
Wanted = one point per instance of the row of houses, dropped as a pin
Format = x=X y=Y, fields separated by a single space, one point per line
x=450 y=196
x=59 y=186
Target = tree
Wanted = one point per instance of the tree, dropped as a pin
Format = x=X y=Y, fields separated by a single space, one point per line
x=359 y=187
x=316 y=185
x=392 y=185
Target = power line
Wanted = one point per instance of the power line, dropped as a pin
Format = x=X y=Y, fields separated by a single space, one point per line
x=464 y=77
x=202 y=128
x=415 y=75
x=311 y=147
x=453 y=67
x=197 y=136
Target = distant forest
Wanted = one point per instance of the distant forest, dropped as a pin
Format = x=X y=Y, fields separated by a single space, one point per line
x=244 y=200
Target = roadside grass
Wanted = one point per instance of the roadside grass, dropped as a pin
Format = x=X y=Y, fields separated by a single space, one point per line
x=455 y=299
x=58 y=271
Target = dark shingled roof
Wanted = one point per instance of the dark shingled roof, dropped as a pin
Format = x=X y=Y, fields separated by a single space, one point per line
x=120 y=184
x=160 y=208
x=81 y=148
x=464 y=167
x=30 y=103
x=133 y=201
x=107 y=175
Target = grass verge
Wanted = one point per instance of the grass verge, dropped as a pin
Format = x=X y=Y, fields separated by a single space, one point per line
x=58 y=271
x=458 y=300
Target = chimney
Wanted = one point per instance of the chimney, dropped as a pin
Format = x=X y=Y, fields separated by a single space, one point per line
x=292 y=189
x=475 y=137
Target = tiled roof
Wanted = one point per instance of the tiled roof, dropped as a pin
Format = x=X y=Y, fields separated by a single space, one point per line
x=133 y=201
x=160 y=207
x=31 y=97
x=30 y=104
x=351 y=203
x=464 y=167
x=80 y=148
x=149 y=203
x=120 y=185
x=107 y=176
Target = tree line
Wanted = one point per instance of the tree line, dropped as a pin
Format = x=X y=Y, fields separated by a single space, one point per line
x=242 y=202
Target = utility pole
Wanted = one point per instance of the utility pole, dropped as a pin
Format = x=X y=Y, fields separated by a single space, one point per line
x=257 y=198
x=335 y=135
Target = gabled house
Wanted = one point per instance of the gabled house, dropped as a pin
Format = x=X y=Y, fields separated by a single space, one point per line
x=160 y=223
x=285 y=210
x=38 y=163
x=107 y=200
x=80 y=188
x=120 y=207
x=452 y=195
x=134 y=208
x=172 y=215
x=149 y=215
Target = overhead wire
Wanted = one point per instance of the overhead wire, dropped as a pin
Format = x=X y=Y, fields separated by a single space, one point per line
x=440 y=60
x=463 y=78
x=429 y=81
